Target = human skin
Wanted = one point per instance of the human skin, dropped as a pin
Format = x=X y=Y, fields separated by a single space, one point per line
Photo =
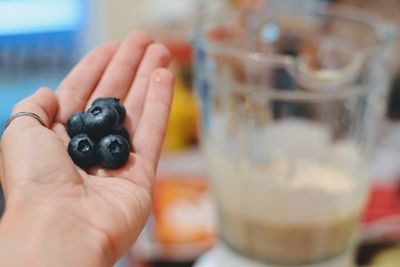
x=58 y=214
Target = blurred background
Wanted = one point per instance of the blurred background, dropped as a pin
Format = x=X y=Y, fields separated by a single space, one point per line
x=40 y=40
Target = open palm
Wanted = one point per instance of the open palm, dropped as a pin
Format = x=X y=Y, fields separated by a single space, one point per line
x=38 y=173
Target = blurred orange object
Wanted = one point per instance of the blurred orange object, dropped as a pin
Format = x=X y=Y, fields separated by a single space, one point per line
x=243 y=4
x=183 y=211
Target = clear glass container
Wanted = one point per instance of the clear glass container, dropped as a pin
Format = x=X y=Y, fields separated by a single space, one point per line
x=291 y=100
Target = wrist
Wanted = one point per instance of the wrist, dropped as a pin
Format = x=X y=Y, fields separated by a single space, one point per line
x=47 y=238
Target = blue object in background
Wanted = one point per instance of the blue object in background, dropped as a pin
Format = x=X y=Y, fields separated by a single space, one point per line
x=40 y=40
x=38 y=16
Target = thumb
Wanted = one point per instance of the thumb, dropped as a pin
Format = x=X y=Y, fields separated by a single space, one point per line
x=31 y=152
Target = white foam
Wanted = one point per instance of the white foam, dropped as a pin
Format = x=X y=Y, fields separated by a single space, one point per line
x=295 y=174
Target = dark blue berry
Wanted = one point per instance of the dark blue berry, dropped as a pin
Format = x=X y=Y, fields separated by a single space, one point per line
x=113 y=151
x=83 y=151
x=100 y=120
x=122 y=131
x=115 y=103
x=75 y=124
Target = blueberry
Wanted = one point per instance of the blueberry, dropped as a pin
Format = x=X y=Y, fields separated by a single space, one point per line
x=122 y=131
x=82 y=151
x=100 y=120
x=113 y=151
x=115 y=103
x=75 y=124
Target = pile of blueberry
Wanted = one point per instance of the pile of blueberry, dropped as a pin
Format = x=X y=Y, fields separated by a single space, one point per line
x=98 y=136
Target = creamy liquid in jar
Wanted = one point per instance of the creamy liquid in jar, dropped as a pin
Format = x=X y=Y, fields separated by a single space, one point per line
x=288 y=211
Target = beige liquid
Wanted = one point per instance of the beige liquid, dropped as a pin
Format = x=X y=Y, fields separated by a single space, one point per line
x=287 y=243
x=293 y=212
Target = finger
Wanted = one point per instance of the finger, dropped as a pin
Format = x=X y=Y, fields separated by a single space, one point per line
x=157 y=56
x=119 y=75
x=151 y=129
x=74 y=92
x=59 y=129
x=2 y=178
x=31 y=151
x=42 y=103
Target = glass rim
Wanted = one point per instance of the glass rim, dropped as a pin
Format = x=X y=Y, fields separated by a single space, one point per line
x=384 y=31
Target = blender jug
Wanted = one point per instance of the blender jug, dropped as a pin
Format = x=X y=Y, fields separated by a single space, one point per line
x=291 y=100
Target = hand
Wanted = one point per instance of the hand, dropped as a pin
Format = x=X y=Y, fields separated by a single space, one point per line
x=53 y=208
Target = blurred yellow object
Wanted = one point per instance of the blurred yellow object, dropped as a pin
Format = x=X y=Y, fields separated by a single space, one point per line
x=181 y=130
x=387 y=258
